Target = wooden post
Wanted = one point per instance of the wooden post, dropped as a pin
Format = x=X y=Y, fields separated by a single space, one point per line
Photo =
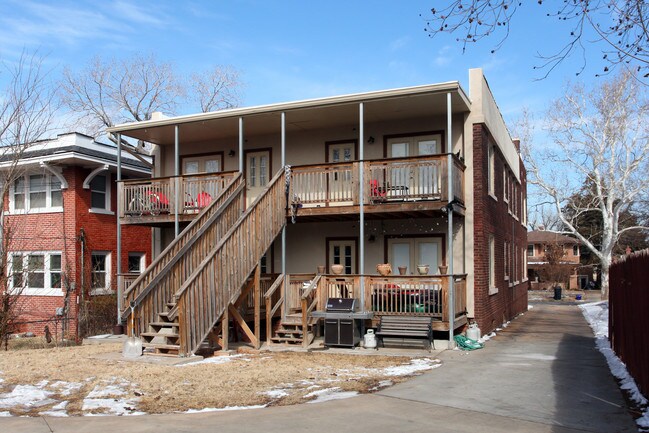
x=257 y=301
x=225 y=328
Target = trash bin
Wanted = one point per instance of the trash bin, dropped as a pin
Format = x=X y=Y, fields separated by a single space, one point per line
x=557 y=293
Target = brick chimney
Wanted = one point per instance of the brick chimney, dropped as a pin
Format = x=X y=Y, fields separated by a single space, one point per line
x=517 y=144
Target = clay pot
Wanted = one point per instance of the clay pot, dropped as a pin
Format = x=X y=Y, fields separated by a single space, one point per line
x=321 y=269
x=443 y=269
x=423 y=269
x=337 y=269
x=403 y=270
x=384 y=269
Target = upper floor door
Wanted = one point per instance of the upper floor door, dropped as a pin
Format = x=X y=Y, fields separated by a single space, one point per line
x=340 y=185
x=258 y=168
x=421 y=178
x=199 y=191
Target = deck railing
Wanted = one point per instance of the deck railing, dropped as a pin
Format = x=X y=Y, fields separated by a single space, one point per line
x=155 y=287
x=386 y=180
x=419 y=295
x=158 y=196
x=206 y=293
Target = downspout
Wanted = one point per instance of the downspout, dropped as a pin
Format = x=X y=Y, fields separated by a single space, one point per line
x=449 y=235
x=82 y=280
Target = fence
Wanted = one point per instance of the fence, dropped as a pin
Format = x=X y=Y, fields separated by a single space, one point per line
x=628 y=320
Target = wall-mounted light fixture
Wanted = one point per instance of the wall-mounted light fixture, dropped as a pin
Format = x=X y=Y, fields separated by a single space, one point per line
x=370 y=140
x=232 y=153
x=371 y=238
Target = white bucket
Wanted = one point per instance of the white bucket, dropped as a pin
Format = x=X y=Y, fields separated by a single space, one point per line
x=369 y=339
x=473 y=332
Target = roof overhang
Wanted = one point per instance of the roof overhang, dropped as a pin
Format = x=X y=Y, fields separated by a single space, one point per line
x=384 y=105
x=73 y=158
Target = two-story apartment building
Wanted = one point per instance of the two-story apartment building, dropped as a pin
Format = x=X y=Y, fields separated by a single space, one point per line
x=567 y=266
x=426 y=179
x=59 y=227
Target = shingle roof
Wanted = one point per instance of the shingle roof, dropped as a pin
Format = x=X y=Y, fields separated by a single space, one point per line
x=545 y=237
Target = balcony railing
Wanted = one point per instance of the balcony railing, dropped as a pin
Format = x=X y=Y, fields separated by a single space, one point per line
x=419 y=295
x=386 y=180
x=163 y=195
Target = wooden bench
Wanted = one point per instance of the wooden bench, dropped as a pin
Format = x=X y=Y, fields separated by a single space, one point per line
x=405 y=329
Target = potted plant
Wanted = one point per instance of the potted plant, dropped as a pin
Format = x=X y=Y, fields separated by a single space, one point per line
x=403 y=270
x=384 y=269
x=423 y=269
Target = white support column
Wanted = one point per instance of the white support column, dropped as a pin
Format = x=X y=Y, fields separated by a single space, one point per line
x=119 y=233
x=283 y=146
x=361 y=184
x=241 y=144
x=176 y=180
x=449 y=236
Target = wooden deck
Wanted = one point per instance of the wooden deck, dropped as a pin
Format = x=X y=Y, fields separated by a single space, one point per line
x=394 y=188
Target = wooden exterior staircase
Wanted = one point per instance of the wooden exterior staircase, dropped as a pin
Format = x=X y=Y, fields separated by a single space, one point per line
x=152 y=293
x=291 y=330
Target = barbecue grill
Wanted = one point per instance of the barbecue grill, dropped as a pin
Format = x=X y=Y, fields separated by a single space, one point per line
x=342 y=322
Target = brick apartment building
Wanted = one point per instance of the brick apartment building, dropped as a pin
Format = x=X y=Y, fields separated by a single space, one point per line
x=425 y=179
x=60 y=229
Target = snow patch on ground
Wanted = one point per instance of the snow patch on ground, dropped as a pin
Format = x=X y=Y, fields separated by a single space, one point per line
x=486 y=337
x=596 y=314
x=276 y=393
x=328 y=394
x=416 y=365
x=66 y=388
x=217 y=360
x=221 y=409
x=5 y=413
x=26 y=396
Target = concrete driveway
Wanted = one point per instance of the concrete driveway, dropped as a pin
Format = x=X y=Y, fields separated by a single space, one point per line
x=541 y=374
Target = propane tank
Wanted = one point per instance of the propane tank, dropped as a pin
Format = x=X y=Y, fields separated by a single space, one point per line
x=473 y=332
x=369 y=339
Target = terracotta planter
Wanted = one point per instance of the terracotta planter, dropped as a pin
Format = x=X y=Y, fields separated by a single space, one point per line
x=423 y=269
x=337 y=269
x=403 y=270
x=384 y=269
x=443 y=269
x=321 y=269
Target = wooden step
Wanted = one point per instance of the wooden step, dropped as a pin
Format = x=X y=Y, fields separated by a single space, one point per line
x=164 y=324
x=162 y=349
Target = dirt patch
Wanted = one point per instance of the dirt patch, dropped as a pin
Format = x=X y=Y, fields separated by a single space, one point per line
x=73 y=381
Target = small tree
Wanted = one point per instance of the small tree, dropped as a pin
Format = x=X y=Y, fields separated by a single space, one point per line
x=26 y=112
x=555 y=271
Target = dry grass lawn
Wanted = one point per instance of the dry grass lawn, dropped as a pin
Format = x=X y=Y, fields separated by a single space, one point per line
x=74 y=374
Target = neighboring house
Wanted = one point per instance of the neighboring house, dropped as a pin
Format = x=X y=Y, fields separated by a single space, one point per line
x=424 y=175
x=60 y=228
x=567 y=267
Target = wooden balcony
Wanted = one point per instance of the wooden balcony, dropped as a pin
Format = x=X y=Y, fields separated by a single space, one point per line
x=425 y=295
x=156 y=201
x=417 y=184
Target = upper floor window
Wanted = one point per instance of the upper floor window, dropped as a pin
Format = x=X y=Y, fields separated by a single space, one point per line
x=530 y=250
x=36 y=192
x=100 y=192
x=492 y=171
x=575 y=250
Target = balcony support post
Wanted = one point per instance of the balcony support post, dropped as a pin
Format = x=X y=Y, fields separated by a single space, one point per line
x=361 y=183
x=283 y=146
x=119 y=233
x=176 y=174
x=240 y=144
x=449 y=235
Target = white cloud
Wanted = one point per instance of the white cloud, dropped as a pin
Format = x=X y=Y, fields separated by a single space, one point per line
x=443 y=56
x=399 y=43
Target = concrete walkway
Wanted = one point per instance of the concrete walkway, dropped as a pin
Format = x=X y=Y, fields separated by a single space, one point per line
x=541 y=374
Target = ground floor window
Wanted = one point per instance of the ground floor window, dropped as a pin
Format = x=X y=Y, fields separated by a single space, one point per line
x=100 y=272
x=136 y=263
x=35 y=273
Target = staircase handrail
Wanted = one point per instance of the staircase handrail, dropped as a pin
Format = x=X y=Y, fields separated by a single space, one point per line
x=234 y=267
x=166 y=261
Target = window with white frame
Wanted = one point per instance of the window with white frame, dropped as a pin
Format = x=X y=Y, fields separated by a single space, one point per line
x=524 y=267
x=36 y=273
x=136 y=263
x=100 y=192
x=506 y=260
x=492 y=265
x=36 y=192
x=100 y=272
x=530 y=250
x=492 y=171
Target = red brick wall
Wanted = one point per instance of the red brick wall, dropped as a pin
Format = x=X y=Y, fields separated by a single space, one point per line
x=61 y=232
x=491 y=217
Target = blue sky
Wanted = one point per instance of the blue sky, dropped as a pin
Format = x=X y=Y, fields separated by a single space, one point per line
x=288 y=50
